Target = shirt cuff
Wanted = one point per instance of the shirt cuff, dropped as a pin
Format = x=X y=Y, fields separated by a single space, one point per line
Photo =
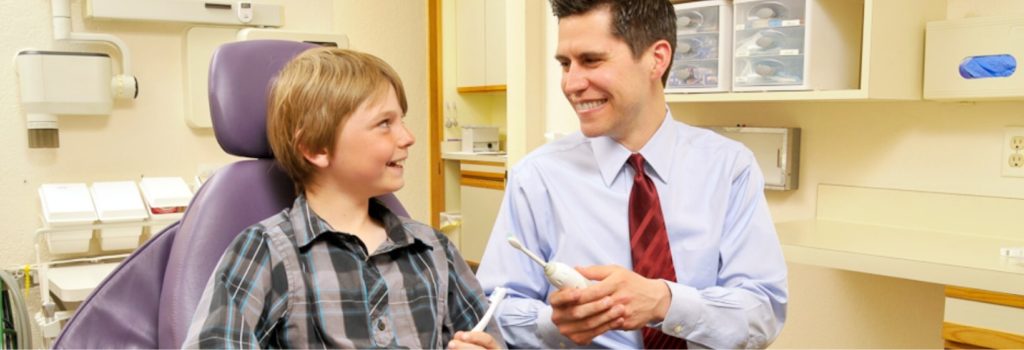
x=548 y=331
x=683 y=311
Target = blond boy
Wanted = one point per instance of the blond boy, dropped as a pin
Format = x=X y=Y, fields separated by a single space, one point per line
x=339 y=269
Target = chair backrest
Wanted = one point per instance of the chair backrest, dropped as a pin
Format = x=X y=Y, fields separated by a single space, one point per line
x=234 y=198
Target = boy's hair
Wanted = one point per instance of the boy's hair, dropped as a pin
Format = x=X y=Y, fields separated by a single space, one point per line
x=313 y=96
x=639 y=23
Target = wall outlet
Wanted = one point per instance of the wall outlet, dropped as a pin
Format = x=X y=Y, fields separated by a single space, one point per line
x=1013 y=152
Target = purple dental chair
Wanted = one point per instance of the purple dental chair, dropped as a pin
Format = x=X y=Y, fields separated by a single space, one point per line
x=148 y=301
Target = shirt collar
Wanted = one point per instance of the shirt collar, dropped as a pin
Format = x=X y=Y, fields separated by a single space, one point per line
x=314 y=226
x=611 y=156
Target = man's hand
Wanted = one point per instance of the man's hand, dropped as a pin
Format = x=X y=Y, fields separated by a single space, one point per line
x=582 y=322
x=472 y=340
x=644 y=300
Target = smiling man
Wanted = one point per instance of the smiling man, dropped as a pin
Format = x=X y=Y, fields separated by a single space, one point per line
x=673 y=226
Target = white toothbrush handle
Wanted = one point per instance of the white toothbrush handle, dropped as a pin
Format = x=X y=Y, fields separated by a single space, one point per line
x=564 y=276
x=496 y=297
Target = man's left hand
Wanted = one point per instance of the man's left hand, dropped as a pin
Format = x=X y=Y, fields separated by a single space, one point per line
x=645 y=300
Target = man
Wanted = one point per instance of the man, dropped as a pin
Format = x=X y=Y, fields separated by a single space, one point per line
x=668 y=220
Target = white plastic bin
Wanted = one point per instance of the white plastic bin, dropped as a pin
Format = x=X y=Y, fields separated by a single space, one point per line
x=166 y=199
x=67 y=205
x=118 y=202
x=703 y=48
x=797 y=44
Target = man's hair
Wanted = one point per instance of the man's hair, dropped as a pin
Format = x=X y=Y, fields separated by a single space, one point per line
x=639 y=23
x=313 y=96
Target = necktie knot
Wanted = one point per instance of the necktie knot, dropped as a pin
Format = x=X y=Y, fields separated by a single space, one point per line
x=636 y=160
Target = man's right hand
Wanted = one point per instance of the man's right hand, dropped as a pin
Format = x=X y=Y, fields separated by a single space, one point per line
x=582 y=322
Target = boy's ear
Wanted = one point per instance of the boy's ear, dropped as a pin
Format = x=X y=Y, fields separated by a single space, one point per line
x=320 y=158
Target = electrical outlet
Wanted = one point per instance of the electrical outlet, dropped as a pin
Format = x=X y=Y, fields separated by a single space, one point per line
x=1013 y=152
x=1017 y=143
x=1016 y=160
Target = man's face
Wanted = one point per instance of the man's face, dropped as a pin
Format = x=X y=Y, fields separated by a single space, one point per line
x=605 y=85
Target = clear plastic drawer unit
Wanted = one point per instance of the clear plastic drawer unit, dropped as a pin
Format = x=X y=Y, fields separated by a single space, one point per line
x=703 y=46
x=797 y=44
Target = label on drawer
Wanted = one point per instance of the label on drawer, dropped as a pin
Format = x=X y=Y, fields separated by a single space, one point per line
x=790 y=23
x=789 y=52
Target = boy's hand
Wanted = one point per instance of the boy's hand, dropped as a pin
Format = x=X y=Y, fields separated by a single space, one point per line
x=472 y=340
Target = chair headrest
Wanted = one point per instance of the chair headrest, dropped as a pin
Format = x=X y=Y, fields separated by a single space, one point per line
x=240 y=77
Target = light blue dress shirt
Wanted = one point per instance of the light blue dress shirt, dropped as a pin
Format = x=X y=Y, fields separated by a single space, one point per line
x=568 y=201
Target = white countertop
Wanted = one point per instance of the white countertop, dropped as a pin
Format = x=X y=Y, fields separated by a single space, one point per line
x=481 y=157
x=928 y=256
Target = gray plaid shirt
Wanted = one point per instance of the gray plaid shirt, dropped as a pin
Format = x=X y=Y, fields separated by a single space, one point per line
x=290 y=281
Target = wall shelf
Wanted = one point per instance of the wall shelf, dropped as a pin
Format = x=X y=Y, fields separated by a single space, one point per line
x=892 y=58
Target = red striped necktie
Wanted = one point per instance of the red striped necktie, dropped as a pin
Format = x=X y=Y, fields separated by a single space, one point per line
x=648 y=243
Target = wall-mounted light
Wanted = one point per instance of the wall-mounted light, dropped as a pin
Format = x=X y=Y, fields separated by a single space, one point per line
x=73 y=83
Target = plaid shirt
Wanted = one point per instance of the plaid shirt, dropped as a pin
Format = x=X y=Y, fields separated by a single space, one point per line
x=290 y=281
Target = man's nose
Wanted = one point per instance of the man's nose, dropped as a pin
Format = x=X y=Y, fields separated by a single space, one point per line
x=574 y=80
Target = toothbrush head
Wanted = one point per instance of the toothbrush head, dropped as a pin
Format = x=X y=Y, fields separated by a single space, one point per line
x=519 y=245
x=515 y=242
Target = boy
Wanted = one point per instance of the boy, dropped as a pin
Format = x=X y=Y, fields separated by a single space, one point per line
x=338 y=269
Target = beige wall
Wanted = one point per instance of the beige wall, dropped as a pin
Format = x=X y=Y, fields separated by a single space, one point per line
x=149 y=136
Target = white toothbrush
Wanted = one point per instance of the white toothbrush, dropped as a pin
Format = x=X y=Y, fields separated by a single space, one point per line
x=496 y=297
x=560 y=275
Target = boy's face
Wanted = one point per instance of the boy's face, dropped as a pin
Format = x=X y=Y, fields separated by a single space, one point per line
x=605 y=85
x=370 y=152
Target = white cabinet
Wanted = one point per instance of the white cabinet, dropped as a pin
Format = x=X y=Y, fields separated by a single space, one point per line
x=480 y=44
x=482 y=186
x=480 y=209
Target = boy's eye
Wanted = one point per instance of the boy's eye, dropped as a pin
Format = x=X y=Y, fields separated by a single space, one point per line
x=386 y=123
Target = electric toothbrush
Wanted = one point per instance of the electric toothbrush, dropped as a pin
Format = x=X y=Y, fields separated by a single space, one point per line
x=560 y=275
x=496 y=297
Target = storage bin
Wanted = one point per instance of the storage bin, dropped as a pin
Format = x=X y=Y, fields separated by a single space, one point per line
x=166 y=199
x=119 y=202
x=701 y=62
x=67 y=205
x=974 y=59
x=797 y=44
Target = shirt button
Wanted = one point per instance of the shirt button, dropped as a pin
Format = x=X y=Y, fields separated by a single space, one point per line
x=678 y=329
x=381 y=326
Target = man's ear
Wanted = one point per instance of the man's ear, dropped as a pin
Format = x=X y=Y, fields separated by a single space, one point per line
x=661 y=52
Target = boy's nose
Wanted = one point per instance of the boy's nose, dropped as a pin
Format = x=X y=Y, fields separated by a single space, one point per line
x=406 y=139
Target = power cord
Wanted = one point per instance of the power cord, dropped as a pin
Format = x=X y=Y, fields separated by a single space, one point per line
x=14 y=314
